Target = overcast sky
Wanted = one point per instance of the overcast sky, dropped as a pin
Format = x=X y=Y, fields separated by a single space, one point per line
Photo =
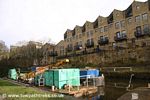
x=49 y=19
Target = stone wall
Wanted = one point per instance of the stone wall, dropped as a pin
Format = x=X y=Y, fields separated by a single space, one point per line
x=137 y=56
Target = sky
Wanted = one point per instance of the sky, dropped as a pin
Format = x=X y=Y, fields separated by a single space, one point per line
x=49 y=19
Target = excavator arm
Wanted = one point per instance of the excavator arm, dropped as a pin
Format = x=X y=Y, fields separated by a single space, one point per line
x=40 y=70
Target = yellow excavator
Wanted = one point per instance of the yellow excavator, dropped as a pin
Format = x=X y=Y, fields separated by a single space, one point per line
x=28 y=77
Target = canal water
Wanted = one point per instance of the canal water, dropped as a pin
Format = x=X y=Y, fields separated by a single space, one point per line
x=114 y=88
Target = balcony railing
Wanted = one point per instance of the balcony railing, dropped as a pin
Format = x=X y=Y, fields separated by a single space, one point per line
x=103 y=41
x=53 y=53
x=121 y=38
x=138 y=34
x=77 y=47
x=89 y=44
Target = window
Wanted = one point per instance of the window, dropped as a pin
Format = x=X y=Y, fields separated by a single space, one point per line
x=105 y=28
x=61 y=48
x=138 y=30
x=90 y=33
x=101 y=37
x=118 y=34
x=102 y=29
x=110 y=25
x=146 y=29
x=145 y=16
x=123 y=23
x=123 y=33
x=145 y=26
x=137 y=18
x=90 y=41
x=117 y=25
x=129 y=20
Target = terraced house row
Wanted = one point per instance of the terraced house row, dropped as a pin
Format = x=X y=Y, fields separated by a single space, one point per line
x=120 y=29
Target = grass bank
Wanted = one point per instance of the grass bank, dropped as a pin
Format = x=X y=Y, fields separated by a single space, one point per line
x=11 y=91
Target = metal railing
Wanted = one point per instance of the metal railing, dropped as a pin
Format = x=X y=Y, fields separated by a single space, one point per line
x=117 y=69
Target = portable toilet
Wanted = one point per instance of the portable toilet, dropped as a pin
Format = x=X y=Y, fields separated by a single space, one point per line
x=12 y=74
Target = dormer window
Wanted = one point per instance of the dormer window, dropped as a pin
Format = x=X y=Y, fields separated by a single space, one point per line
x=128 y=12
x=73 y=32
x=96 y=24
x=110 y=18
x=83 y=29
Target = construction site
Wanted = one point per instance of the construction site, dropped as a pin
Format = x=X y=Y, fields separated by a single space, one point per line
x=106 y=59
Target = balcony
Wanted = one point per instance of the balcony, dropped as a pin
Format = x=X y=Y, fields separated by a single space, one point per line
x=53 y=53
x=138 y=34
x=120 y=38
x=146 y=32
x=78 y=47
x=103 y=41
x=89 y=44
